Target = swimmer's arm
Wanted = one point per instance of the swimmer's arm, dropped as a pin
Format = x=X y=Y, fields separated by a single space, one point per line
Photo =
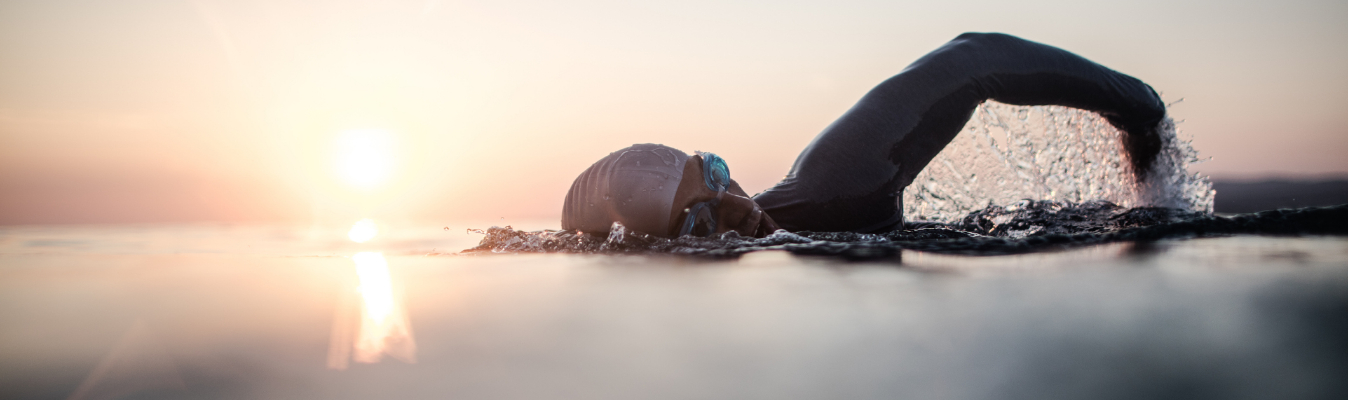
x=1017 y=71
x=1064 y=78
x=1039 y=74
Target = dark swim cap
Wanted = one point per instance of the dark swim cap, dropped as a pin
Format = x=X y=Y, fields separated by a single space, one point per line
x=634 y=186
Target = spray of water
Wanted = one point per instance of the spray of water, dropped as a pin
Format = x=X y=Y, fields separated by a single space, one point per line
x=1008 y=153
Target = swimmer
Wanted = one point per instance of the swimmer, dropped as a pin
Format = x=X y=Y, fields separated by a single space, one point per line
x=850 y=178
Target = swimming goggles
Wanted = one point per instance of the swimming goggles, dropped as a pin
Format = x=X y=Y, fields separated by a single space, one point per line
x=701 y=219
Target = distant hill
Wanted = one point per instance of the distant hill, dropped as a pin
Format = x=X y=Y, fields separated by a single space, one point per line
x=1251 y=196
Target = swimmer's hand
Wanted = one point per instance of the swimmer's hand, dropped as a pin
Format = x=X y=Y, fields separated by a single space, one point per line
x=1142 y=142
x=757 y=223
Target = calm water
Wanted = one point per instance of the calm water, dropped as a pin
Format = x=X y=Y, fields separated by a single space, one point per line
x=205 y=311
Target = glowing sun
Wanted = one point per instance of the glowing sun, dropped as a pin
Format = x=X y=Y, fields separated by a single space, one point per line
x=364 y=157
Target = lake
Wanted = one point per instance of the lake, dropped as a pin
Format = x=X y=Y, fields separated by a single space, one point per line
x=231 y=311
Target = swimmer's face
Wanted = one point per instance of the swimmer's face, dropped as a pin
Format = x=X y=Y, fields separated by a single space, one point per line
x=735 y=212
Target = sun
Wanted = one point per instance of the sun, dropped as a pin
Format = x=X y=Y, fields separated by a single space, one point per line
x=364 y=157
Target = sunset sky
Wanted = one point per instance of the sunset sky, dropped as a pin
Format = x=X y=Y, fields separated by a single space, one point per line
x=210 y=110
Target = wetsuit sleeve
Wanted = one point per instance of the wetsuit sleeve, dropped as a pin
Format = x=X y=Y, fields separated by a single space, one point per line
x=851 y=176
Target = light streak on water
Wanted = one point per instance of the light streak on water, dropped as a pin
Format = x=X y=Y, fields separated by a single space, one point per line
x=383 y=328
x=383 y=324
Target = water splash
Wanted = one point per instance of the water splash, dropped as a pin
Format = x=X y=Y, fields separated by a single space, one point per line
x=1009 y=153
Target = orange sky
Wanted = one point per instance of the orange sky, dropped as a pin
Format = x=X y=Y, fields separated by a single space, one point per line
x=208 y=110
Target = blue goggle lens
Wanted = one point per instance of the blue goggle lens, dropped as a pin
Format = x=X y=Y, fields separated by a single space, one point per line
x=715 y=172
x=701 y=221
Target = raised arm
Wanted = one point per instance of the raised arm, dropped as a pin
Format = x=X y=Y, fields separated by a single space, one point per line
x=850 y=178
x=980 y=66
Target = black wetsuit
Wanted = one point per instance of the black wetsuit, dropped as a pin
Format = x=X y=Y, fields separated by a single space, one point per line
x=851 y=177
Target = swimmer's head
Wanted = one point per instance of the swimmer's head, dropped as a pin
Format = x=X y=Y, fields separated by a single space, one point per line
x=662 y=191
x=634 y=186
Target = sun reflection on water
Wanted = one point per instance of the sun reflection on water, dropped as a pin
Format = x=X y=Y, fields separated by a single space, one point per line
x=383 y=325
x=383 y=328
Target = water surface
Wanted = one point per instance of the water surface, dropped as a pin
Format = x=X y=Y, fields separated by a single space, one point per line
x=256 y=312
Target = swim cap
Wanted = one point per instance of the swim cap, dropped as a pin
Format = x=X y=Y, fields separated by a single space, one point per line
x=634 y=186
